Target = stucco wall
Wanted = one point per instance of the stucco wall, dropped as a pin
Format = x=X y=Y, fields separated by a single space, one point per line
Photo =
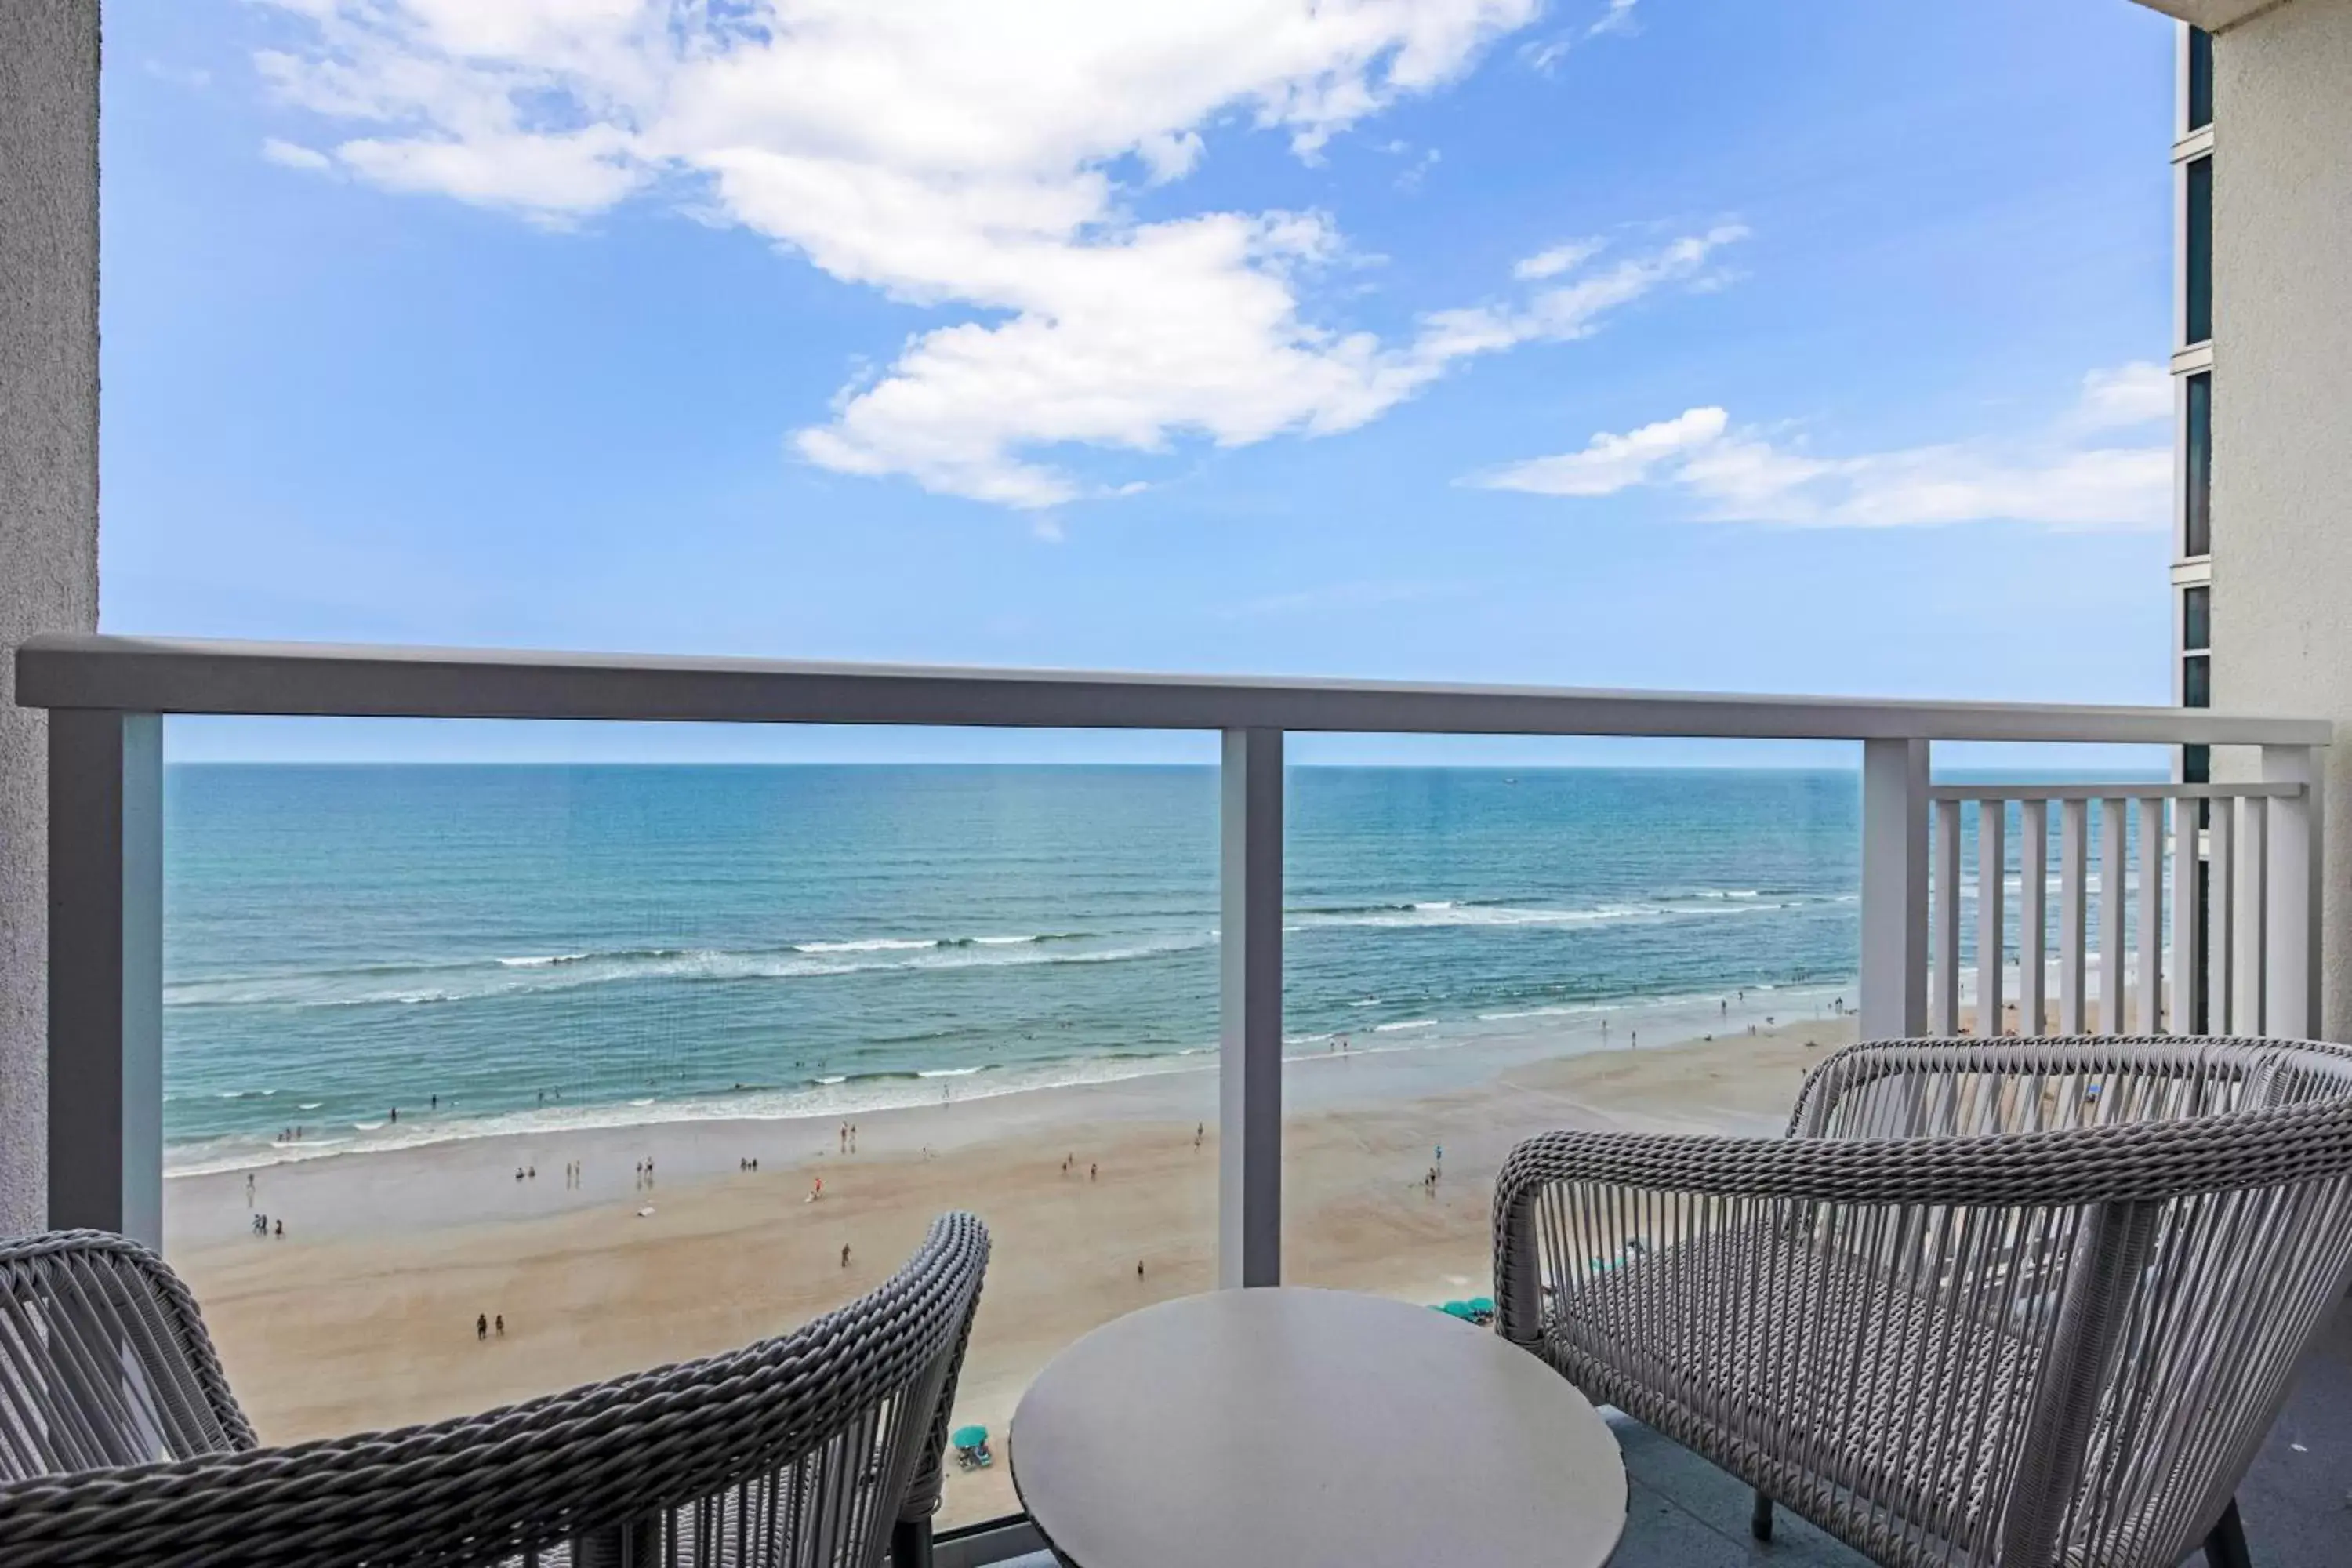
x=49 y=497
x=2283 y=403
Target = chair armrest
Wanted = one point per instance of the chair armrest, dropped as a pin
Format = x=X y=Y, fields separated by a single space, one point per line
x=1922 y=1088
x=2078 y=1167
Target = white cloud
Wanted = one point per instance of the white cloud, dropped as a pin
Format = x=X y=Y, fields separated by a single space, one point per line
x=1741 y=476
x=294 y=156
x=1560 y=259
x=1618 y=18
x=1544 y=54
x=1612 y=463
x=2129 y=394
x=950 y=152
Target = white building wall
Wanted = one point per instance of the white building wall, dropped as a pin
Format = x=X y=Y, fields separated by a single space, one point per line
x=48 y=502
x=2283 y=403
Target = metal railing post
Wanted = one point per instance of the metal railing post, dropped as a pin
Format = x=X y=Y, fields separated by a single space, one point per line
x=106 y=972
x=1893 y=1001
x=2292 y=918
x=1249 y=1087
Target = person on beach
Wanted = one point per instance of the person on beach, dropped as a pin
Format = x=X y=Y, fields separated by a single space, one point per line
x=481 y=1327
x=1093 y=1170
x=1200 y=1131
x=502 y=1325
x=845 y=1255
x=1139 y=1269
x=395 y=1113
x=518 y=1172
x=534 y=1172
x=281 y=1229
x=436 y=1102
x=249 y=1189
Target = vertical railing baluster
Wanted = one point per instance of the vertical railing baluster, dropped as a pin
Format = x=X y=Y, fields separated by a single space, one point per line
x=2246 y=922
x=106 y=972
x=2073 y=852
x=2148 y=988
x=2115 y=879
x=2221 y=919
x=1946 y=992
x=1894 y=982
x=2032 y=914
x=2187 y=966
x=1249 y=1056
x=1992 y=871
x=2296 y=851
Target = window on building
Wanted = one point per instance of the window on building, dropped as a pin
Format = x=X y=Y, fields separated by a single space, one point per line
x=2196 y=681
x=2200 y=78
x=2197 y=477
x=2198 y=245
x=2197 y=767
x=2196 y=619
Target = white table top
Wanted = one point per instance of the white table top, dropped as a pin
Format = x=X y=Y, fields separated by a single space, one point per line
x=1304 y=1428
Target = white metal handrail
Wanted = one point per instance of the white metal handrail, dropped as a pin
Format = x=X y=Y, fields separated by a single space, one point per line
x=2240 y=895
x=107 y=696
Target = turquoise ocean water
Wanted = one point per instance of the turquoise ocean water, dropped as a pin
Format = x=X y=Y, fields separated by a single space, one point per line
x=535 y=945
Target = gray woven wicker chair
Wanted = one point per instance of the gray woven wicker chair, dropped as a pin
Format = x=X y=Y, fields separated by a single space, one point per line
x=120 y=1443
x=1991 y=1302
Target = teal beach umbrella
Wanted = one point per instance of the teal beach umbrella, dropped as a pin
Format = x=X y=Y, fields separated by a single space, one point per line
x=970 y=1437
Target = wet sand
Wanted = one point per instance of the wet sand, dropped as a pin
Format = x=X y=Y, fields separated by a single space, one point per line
x=363 y=1314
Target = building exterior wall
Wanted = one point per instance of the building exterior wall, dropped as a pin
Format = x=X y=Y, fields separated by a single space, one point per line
x=48 y=502
x=2282 y=556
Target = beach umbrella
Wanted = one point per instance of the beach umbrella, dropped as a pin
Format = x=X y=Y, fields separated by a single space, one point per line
x=1457 y=1309
x=970 y=1437
x=1483 y=1304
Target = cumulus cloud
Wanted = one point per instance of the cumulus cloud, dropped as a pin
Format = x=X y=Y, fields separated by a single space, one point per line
x=2129 y=394
x=1744 y=476
x=970 y=156
x=294 y=156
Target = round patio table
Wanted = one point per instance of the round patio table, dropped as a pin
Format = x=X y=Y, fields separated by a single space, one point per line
x=1303 y=1428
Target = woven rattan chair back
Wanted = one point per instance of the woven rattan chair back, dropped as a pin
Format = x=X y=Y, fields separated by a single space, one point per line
x=803 y=1450
x=1992 y=1303
x=103 y=1361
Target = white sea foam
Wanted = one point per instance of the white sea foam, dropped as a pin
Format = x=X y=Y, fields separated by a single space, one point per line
x=836 y=1095
x=467 y=980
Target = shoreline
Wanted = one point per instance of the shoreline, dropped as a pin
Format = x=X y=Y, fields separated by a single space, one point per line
x=1671 y=1019
x=362 y=1315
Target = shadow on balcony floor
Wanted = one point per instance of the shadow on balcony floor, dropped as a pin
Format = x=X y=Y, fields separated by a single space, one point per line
x=1682 y=1513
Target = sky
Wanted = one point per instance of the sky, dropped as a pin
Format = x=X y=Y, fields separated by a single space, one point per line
x=1647 y=343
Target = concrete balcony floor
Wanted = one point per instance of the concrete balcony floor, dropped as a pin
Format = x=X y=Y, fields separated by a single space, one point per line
x=1682 y=1513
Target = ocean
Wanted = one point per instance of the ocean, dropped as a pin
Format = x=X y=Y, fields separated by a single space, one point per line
x=492 y=948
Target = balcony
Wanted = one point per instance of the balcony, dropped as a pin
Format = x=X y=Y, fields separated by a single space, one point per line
x=2095 y=937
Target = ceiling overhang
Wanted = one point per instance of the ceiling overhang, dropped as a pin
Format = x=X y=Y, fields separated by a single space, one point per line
x=2213 y=16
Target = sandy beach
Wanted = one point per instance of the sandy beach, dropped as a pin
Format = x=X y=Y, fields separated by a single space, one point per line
x=363 y=1313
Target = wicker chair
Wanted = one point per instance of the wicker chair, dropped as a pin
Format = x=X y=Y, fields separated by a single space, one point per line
x=2013 y=1303
x=120 y=1443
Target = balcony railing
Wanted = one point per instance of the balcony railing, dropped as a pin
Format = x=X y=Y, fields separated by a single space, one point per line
x=2258 y=972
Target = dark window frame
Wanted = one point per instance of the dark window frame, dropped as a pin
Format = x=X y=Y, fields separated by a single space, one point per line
x=2197 y=465
x=2197 y=252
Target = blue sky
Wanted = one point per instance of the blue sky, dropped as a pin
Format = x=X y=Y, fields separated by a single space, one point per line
x=1652 y=344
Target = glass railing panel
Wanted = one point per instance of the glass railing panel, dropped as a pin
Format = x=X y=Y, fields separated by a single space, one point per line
x=487 y=1080
x=1475 y=955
